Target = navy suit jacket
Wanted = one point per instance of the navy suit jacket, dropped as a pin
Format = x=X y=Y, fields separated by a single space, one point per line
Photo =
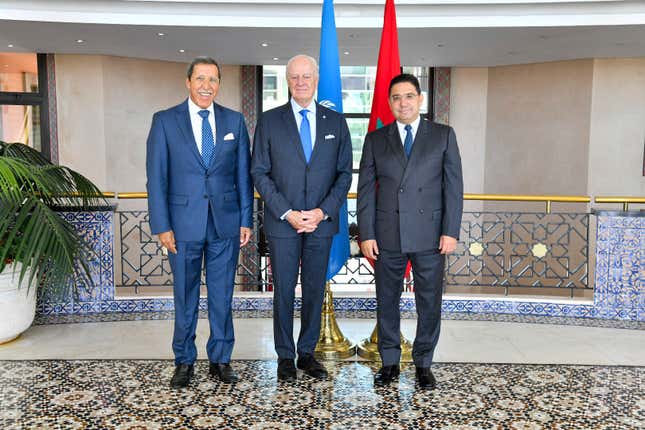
x=284 y=179
x=407 y=204
x=181 y=187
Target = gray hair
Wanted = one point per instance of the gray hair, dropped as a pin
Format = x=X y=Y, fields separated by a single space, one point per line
x=202 y=60
x=309 y=58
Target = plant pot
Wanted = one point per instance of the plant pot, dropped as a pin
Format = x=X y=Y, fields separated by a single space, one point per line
x=17 y=305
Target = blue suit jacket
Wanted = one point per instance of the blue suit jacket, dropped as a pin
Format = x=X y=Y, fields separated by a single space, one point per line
x=181 y=187
x=285 y=181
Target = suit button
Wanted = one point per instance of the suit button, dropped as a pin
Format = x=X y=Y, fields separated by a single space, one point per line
x=420 y=211
x=400 y=190
x=420 y=189
x=397 y=211
x=205 y=196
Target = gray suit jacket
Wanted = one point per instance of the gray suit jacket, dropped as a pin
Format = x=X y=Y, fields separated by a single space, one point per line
x=407 y=204
x=284 y=179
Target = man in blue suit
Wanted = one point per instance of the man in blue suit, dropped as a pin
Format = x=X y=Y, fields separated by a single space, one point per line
x=302 y=168
x=200 y=201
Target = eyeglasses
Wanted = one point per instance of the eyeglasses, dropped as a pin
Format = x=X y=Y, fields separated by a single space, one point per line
x=400 y=97
x=212 y=79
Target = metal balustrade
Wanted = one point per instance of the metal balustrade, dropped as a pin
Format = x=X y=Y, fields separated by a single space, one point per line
x=498 y=252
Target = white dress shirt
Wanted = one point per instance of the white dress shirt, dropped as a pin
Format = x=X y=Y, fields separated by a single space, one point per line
x=196 y=122
x=403 y=132
x=311 y=116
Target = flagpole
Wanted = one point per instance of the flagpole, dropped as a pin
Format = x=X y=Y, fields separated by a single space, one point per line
x=332 y=344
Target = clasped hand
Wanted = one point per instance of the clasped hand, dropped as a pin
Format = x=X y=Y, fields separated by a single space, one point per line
x=305 y=221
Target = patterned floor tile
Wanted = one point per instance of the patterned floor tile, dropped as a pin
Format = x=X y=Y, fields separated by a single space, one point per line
x=134 y=394
x=164 y=315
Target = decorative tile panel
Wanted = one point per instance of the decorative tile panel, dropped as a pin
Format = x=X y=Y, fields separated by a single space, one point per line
x=442 y=95
x=52 y=109
x=618 y=295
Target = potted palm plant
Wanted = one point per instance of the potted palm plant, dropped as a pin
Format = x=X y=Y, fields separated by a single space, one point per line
x=40 y=252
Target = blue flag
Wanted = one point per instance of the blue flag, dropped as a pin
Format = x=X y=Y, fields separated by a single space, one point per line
x=330 y=96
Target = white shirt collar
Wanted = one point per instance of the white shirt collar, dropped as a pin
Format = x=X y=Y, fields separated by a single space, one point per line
x=193 y=109
x=414 y=124
x=297 y=108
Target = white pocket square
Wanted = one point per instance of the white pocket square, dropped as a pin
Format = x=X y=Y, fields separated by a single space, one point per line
x=229 y=136
x=329 y=136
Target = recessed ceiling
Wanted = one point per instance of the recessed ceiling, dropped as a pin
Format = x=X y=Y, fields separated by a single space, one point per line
x=438 y=33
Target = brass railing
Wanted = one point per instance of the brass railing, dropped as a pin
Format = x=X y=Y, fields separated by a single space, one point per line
x=624 y=200
x=497 y=249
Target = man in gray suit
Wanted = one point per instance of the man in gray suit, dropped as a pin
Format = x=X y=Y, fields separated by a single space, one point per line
x=410 y=200
x=302 y=168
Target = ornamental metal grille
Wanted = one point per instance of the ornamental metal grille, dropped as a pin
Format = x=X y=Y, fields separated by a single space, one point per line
x=496 y=249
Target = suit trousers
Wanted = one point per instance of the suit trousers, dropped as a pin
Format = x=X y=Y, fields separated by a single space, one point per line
x=389 y=271
x=311 y=254
x=220 y=257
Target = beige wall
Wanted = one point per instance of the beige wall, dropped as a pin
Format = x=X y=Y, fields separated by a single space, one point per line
x=81 y=119
x=537 y=129
x=569 y=127
x=617 y=128
x=468 y=99
x=105 y=105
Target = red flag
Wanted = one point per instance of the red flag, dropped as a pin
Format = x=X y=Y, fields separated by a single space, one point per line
x=389 y=65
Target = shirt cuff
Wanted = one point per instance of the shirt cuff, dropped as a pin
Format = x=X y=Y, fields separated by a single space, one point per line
x=284 y=215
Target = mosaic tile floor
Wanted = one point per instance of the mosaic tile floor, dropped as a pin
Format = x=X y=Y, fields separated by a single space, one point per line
x=165 y=315
x=131 y=394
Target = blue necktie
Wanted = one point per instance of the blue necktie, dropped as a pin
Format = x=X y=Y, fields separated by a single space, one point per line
x=407 y=145
x=305 y=134
x=208 y=143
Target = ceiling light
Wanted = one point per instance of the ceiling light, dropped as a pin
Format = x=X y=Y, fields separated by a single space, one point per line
x=275 y=58
x=346 y=52
x=161 y=34
x=80 y=41
x=10 y=45
x=264 y=44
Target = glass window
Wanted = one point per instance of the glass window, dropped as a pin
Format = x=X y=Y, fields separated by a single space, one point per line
x=18 y=73
x=23 y=101
x=274 y=87
x=357 y=130
x=20 y=124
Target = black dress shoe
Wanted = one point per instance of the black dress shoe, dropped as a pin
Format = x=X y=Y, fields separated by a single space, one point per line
x=287 y=370
x=386 y=374
x=181 y=378
x=425 y=378
x=312 y=367
x=224 y=372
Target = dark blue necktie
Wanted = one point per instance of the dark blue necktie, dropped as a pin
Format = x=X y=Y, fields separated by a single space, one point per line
x=208 y=143
x=407 y=145
x=305 y=135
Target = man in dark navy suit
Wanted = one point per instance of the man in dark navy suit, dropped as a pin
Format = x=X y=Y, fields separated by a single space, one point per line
x=200 y=201
x=302 y=168
x=410 y=200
